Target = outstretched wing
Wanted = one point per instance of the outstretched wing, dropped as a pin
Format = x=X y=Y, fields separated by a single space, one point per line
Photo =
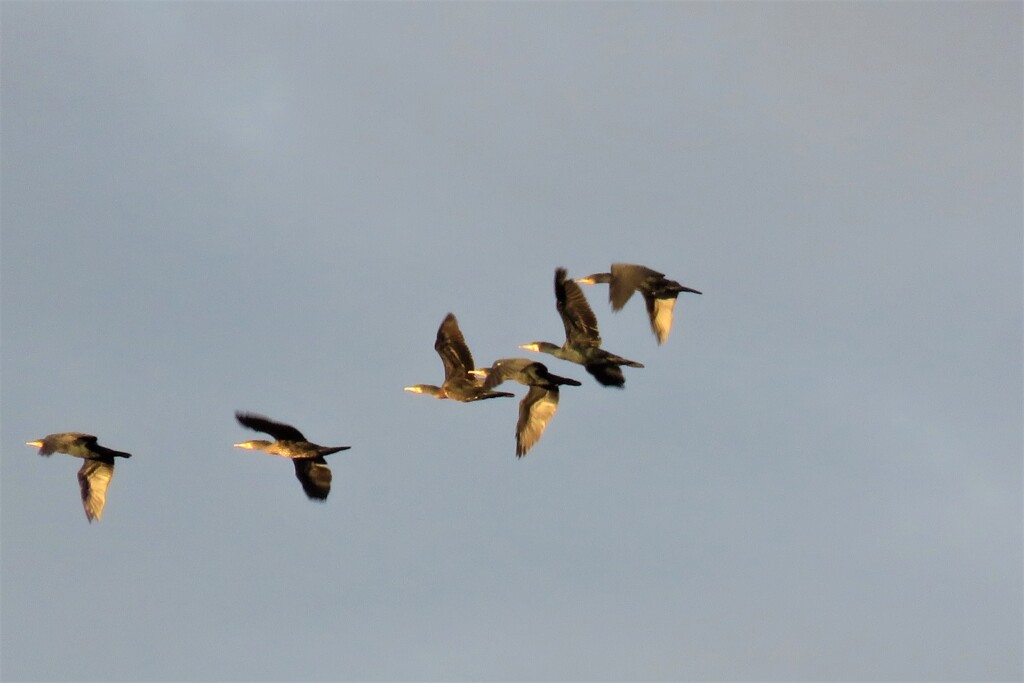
x=452 y=348
x=626 y=279
x=660 y=313
x=278 y=430
x=93 y=479
x=607 y=374
x=577 y=317
x=315 y=477
x=535 y=411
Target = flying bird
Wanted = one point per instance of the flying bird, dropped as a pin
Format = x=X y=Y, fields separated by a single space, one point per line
x=459 y=384
x=541 y=401
x=95 y=473
x=582 y=339
x=310 y=467
x=658 y=291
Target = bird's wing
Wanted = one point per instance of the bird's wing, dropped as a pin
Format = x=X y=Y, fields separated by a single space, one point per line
x=93 y=478
x=607 y=374
x=577 y=317
x=279 y=431
x=626 y=279
x=315 y=477
x=452 y=348
x=660 y=313
x=535 y=411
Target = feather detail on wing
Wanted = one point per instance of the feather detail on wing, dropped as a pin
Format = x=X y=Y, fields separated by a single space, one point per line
x=452 y=347
x=577 y=317
x=93 y=478
x=535 y=411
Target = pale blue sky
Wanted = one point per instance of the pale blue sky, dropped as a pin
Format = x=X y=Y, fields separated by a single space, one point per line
x=271 y=206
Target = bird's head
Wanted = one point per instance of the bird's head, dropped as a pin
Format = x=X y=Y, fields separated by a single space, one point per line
x=429 y=389
x=540 y=346
x=254 y=445
x=595 y=279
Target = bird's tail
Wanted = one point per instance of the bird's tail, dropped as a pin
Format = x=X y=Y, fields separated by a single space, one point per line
x=492 y=394
x=112 y=453
x=619 y=360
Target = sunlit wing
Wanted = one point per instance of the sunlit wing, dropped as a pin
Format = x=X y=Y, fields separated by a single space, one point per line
x=660 y=313
x=535 y=411
x=93 y=478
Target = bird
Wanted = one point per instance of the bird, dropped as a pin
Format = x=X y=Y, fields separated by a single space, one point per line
x=458 y=384
x=582 y=339
x=95 y=473
x=541 y=401
x=310 y=467
x=658 y=291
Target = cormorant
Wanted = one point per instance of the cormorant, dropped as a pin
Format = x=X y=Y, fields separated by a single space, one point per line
x=310 y=467
x=582 y=340
x=541 y=401
x=658 y=291
x=458 y=384
x=96 y=471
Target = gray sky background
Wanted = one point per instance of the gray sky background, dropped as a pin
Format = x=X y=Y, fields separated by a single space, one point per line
x=271 y=207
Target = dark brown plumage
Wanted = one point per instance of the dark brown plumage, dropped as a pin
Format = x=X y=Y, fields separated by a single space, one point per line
x=310 y=467
x=541 y=401
x=658 y=291
x=582 y=339
x=96 y=472
x=459 y=384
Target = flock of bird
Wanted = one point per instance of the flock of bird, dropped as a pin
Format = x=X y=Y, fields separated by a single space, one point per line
x=463 y=381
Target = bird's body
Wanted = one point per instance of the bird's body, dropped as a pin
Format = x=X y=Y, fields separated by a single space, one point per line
x=459 y=384
x=582 y=339
x=310 y=467
x=541 y=401
x=96 y=472
x=658 y=291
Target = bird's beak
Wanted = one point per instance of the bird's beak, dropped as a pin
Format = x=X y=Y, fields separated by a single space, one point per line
x=246 y=446
x=415 y=390
x=694 y=291
x=529 y=347
x=585 y=280
x=37 y=444
x=478 y=373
